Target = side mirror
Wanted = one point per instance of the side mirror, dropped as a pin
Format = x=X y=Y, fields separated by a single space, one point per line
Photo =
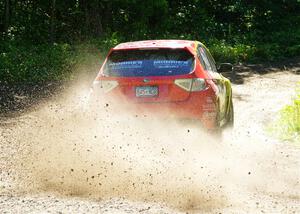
x=225 y=67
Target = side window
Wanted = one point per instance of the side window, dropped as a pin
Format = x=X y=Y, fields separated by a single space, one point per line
x=204 y=59
x=211 y=60
x=200 y=57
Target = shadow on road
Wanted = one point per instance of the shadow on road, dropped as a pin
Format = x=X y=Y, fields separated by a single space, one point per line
x=241 y=72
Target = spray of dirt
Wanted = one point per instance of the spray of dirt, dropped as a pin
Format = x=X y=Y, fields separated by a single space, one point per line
x=103 y=152
x=106 y=153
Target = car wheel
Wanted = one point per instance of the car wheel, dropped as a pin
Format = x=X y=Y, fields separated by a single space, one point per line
x=218 y=131
x=230 y=116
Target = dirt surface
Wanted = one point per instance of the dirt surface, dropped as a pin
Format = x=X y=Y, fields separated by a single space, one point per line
x=62 y=157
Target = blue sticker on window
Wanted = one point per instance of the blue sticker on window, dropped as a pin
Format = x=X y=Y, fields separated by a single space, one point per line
x=150 y=68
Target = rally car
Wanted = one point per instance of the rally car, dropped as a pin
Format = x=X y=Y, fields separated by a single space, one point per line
x=173 y=77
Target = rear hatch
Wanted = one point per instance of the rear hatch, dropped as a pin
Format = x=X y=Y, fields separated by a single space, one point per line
x=151 y=75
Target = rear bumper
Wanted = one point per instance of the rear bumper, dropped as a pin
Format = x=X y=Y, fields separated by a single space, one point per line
x=198 y=107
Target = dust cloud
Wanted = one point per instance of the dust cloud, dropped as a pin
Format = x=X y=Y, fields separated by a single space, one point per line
x=105 y=151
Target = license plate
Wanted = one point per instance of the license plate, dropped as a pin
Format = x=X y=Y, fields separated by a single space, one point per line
x=146 y=91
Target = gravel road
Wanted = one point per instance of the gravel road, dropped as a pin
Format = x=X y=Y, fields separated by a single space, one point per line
x=58 y=158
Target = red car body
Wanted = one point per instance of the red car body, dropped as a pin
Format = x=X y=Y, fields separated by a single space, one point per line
x=198 y=94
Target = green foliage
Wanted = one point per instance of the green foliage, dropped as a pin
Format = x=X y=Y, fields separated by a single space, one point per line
x=65 y=21
x=288 y=125
x=224 y=52
x=27 y=63
x=21 y=62
x=109 y=42
x=39 y=39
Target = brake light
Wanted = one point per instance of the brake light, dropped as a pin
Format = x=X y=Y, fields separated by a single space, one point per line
x=196 y=84
x=105 y=85
x=185 y=84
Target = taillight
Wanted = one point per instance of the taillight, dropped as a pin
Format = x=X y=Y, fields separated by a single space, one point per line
x=196 y=84
x=105 y=85
x=185 y=84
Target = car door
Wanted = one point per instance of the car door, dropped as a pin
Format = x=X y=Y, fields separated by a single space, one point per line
x=210 y=66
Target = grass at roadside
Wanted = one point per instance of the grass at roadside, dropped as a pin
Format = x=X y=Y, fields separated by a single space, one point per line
x=287 y=127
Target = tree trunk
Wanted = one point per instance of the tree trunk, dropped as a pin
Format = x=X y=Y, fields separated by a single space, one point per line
x=53 y=20
x=87 y=18
x=107 y=16
x=7 y=16
x=97 y=21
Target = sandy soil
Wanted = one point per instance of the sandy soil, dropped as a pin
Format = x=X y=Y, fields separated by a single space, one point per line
x=61 y=158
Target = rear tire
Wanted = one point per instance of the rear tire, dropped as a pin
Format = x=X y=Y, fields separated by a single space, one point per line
x=230 y=116
x=218 y=131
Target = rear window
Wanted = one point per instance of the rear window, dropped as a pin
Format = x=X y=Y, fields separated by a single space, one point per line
x=158 y=62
